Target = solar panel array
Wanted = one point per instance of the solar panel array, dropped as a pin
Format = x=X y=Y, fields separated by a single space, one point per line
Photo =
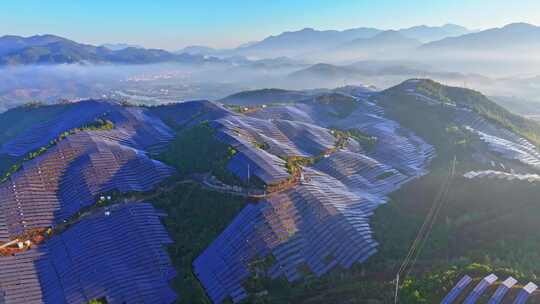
x=185 y=114
x=19 y=278
x=502 y=290
x=247 y=163
x=251 y=161
x=500 y=140
x=283 y=137
x=324 y=221
x=480 y=288
x=134 y=127
x=525 y=293
x=497 y=297
x=137 y=128
x=512 y=150
x=469 y=118
x=294 y=113
x=362 y=173
x=319 y=224
x=68 y=177
x=42 y=133
x=396 y=147
x=457 y=290
x=493 y=174
x=119 y=256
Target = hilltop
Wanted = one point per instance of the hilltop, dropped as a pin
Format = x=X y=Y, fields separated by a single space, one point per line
x=432 y=91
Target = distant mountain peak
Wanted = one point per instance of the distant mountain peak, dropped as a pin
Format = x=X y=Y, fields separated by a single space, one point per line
x=519 y=26
x=386 y=38
x=197 y=50
x=512 y=36
x=453 y=26
x=426 y=33
x=304 y=41
x=50 y=49
x=120 y=46
x=389 y=34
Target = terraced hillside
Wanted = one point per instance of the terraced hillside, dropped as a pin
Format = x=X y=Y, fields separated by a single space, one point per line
x=315 y=200
x=320 y=188
x=57 y=244
x=462 y=232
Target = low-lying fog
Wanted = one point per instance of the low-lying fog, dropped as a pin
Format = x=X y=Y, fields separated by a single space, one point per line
x=163 y=83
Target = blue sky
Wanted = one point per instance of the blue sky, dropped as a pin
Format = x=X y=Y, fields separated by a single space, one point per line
x=173 y=24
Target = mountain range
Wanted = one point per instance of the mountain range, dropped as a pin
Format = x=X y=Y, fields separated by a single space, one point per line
x=10 y=43
x=420 y=42
x=426 y=33
x=307 y=40
x=513 y=42
x=50 y=49
x=509 y=37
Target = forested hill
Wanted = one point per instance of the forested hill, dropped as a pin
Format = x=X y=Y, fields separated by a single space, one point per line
x=461 y=97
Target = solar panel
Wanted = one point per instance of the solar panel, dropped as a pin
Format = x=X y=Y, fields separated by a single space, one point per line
x=457 y=290
x=502 y=290
x=42 y=133
x=525 y=293
x=68 y=177
x=480 y=288
x=135 y=127
x=90 y=260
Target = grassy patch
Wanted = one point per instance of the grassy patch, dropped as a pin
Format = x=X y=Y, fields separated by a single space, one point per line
x=384 y=175
x=98 y=301
x=365 y=140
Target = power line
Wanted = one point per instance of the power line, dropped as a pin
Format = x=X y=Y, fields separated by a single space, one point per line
x=434 y=219
x=422 y=230
x=425 y=230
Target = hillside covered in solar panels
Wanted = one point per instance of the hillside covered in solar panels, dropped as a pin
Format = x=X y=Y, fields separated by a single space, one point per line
x=310 y=198
x=58 y=243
